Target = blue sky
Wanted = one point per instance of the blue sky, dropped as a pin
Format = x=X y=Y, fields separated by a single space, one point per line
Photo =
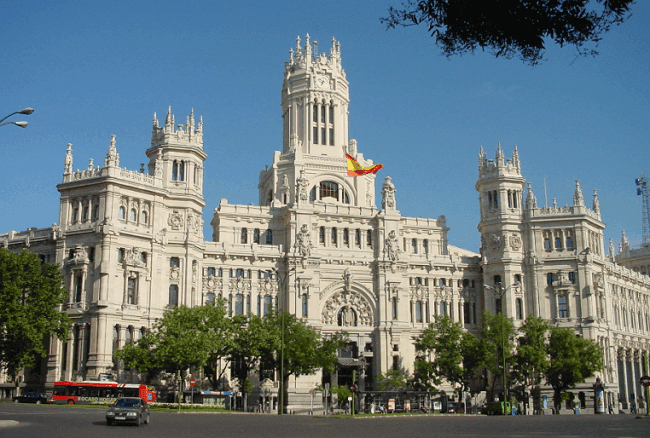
x=92 y=69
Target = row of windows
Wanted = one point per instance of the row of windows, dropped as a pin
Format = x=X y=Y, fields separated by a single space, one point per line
x=513 y=199
x=334 y=237
x=635 y=320
x=560 y=239
x=441 y=282
x=519 y=307
x=322 y=125
x=241 y=304
x=257 y=236
x=84 y=207
x=415 y=246
x=420 y=311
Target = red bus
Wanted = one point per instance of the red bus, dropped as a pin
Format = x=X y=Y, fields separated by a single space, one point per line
x=100 y=391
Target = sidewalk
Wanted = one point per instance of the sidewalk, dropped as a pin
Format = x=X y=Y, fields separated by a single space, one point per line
x=8 y=423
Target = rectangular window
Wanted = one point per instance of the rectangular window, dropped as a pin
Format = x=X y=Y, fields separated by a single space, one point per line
x=443 y=308
x=331 y=136
x=498 y=305
x=418 y=311
x=396 y=363
x=267 y=304
x=466 y=313
x=239 y=304
x=357 y=238
x=346 y=237
x=562 y=306
x=394 y=306
x=315 y=139
x=572 y=277
x=304 y=305
x=269 y=237
x=315 y=115
x=369 y=239
x=322 y=136
x=131 y=291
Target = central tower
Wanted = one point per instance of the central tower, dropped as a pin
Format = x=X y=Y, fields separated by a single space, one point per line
x=315 y=98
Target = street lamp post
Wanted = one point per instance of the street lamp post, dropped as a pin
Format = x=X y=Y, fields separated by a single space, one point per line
x=282 y=283
x=499 y=293
x=26 y=111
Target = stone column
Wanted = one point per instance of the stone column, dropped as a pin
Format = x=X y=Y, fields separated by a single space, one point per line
x=69 y=355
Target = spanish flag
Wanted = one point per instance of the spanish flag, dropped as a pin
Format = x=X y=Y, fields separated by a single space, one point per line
x=354 y=169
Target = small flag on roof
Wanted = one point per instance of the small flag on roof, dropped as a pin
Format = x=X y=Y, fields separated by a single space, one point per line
x=355 y=169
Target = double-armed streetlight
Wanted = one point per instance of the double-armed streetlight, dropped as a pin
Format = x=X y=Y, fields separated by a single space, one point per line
x=499 y=293
x=282 y=286
x=26 y=111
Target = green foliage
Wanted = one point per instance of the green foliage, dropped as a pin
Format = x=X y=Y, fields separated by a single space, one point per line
x=342 y=393
x=182 y=338
x=572 y=360
x=244 y=347
x=392 y=380
x=455 y=355
x=531 y=358
x=515 y=28
x=304 y=350
x=30 y=296
x=496 y=344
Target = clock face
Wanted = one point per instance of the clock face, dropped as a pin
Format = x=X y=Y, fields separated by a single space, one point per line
x=322 y=82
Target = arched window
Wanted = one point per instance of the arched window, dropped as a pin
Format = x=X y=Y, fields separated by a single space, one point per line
x=181 y=171
x=85 y=214
x=334 y=236
x=346 y=237
x=497 y=279
x=244 y=235
x=173 y=295
x=121 y=213
x=547 y=240
x=549 y=279
x=256 y=235
x=211 y=272
x=269 y=237
x=96 y=212
x=174 y=262
x=269 y=197
x=239 y=273
x=558 y=240
x=321 y=235
x=133 y=216
x=520 y=308
x=144 y=218
x=357 y=238
x=175 y=170
x=369 y=239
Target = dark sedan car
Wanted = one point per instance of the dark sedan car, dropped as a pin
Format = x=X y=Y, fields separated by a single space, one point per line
x=128 y=410
x=30 y=397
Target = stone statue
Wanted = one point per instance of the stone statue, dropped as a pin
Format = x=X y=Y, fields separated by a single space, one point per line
x=303 y=242
x=391 y=248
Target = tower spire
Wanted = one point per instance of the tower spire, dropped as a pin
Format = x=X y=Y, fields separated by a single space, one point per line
x=578 y=200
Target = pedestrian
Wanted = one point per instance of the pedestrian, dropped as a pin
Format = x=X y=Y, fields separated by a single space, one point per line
x=611 y=409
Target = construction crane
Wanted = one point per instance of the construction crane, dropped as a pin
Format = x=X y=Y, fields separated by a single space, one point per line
x=644 y=191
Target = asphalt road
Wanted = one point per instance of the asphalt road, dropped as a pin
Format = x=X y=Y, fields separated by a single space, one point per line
x=53 y=421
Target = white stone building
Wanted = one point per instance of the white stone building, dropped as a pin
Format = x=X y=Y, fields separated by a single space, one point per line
x=130 y=244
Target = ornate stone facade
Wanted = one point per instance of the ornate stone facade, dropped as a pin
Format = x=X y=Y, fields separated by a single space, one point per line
x=130 y=244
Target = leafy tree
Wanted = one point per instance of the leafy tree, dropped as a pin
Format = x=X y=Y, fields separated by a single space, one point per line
x=512 y=28
x=30 y=296
x=392 y=380
x=531 y=357
x=184 y=337
x=572 y=361
x=342 y=393
x=455 y=353
x=304 y=349
x=496 y=344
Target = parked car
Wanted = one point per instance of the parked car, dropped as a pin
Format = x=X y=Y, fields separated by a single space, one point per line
x=128 y=410
x=30 y=397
